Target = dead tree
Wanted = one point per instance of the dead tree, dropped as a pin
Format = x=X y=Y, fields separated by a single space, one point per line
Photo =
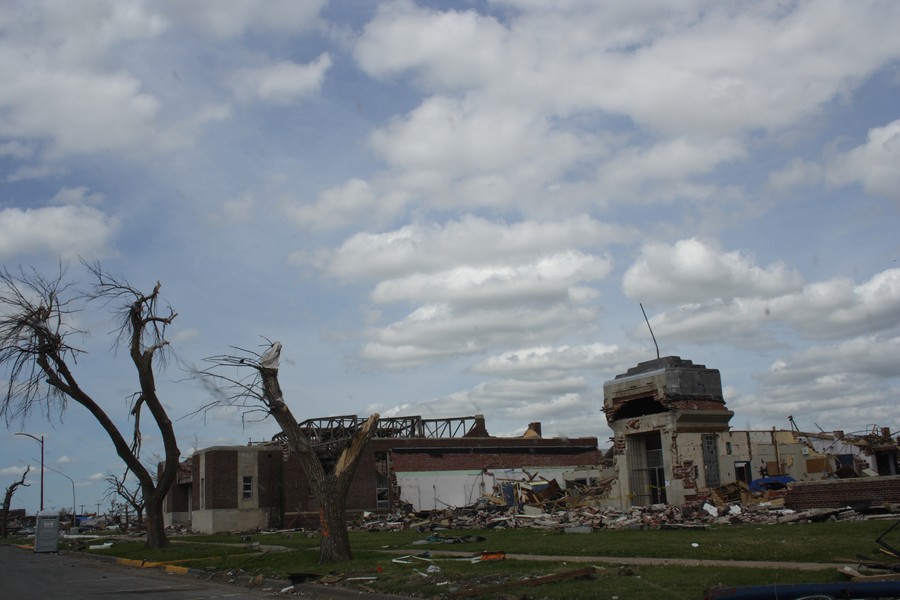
x=118 y=487
x=328 y=480
x=37 y=357
x=7 y=501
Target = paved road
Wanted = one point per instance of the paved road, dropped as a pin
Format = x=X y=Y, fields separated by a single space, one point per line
x=28 y=576
x=25 y=575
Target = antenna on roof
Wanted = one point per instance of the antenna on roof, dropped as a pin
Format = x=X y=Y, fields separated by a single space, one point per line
x=651 y=329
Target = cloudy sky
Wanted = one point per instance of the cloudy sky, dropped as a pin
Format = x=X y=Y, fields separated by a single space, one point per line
x=451 y=208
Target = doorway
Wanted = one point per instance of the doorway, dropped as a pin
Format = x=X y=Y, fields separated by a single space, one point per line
x=648 y=476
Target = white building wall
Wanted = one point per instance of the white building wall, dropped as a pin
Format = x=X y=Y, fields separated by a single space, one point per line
x=228 y=519
x=436 y=490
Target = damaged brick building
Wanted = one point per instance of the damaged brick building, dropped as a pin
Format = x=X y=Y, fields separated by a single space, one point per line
x=672 y=441
x=421 y=463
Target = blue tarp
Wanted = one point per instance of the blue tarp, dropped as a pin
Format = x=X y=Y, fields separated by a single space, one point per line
x=779 y=482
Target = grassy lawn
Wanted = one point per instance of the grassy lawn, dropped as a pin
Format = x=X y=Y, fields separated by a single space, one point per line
x=375 y=554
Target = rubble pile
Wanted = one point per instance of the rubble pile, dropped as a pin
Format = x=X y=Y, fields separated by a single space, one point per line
x=554 y=509
x=657 y=516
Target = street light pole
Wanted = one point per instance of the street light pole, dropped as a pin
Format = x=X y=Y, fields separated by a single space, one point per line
x=72 y=481
x=41 y=442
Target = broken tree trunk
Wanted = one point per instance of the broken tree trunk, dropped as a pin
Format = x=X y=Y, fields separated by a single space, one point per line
x=7 y=501
x=329 y=486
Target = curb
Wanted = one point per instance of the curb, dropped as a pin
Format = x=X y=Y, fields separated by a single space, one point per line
x=144 y=564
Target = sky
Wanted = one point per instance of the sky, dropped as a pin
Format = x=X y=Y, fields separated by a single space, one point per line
x=455 y=208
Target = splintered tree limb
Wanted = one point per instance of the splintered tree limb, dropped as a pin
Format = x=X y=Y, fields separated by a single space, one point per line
x=350 y=456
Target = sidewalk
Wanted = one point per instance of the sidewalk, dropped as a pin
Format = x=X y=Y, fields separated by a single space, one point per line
x=622 y=560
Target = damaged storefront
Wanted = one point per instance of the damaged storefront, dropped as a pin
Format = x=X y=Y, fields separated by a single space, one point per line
x=667 y=416
x=672 y=443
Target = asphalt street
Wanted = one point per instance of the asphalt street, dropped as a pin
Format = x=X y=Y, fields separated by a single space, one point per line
x=25 y=575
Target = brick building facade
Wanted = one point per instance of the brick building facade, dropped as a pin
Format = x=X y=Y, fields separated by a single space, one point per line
x=422 y=464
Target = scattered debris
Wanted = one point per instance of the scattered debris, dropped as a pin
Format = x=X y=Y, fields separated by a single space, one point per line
x=530 y=581
x=581 y=517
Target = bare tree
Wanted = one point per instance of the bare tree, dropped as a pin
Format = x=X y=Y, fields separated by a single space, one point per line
x=37 y=357
x=329 y=480
x=118 y=487
x=7 y=500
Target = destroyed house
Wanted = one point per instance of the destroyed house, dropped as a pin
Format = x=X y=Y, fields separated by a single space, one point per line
x=411 y=462
x=672 y=442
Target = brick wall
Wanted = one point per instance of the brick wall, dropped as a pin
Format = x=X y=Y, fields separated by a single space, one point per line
x=489 y=460
x=268 y=485
x=177 y=498
x=360 y=496
x=834 y=493
x=221 y=479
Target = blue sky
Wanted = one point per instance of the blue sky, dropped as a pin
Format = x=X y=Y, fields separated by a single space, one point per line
x=454 y=208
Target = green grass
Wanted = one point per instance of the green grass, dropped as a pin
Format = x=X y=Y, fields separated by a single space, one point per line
x=808 y=542
x=374 y=553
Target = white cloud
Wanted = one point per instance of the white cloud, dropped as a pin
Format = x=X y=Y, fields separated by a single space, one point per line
x=871 y=356
x=472 y=241
x=544 y=361
x=800 y=172
x=56 y=88
x=436 y=332
x=13 y=471
x=16 y=149
x=837 y=308
x=234 y=210
x=26 y=173
x=66 y=460
x=686 y=69
x=547 y=279
x=232 y=18
x=76 y=34
x=826 y=310
x=77 y=195
x=280 y=83
x=448 y=49
x=672 y=160
x=693 y=271
x=184 y=335
x=698 y=79
x=337 y=207
x=488 y=154
x=873 y=164
x=474 y=284
x=515 y=403
x=65 y=231
x=735 y=321
x=96 y=477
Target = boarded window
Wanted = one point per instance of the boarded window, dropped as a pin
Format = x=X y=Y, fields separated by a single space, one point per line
x=818 y=465
x=248 y=487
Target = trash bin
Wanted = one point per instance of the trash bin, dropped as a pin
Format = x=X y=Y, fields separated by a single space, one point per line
x=46 y=532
